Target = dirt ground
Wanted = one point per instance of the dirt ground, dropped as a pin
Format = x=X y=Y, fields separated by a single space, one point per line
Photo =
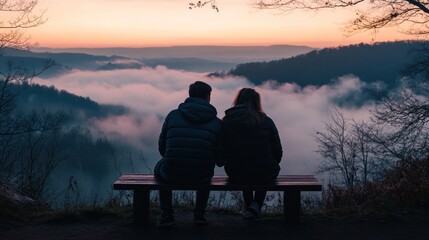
x=222 y=226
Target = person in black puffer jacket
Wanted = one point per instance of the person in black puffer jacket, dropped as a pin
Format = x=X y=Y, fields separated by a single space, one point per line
x=190 y=147
x=252 y=147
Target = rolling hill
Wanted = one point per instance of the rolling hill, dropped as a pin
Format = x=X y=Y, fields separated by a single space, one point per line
x=379 y=62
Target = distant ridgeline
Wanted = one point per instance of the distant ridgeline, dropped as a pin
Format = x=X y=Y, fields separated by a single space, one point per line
x=63 y=62
x=371 y=63
x=188 y=58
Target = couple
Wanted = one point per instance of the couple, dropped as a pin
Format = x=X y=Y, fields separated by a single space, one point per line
x=193 y=140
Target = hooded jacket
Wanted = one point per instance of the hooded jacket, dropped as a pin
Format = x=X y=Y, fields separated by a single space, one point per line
x=190 y=142
x=253 y=149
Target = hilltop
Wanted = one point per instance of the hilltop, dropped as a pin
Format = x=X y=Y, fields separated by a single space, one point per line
x=378 y=62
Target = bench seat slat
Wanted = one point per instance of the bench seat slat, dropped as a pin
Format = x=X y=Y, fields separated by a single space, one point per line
x=220 y=187
x=278 y=183
x=151 y=183
x=214 y=177
x=282 y=183
x=305 y=178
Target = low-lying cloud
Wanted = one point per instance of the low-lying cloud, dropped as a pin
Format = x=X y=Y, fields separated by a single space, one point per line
x=151 y=93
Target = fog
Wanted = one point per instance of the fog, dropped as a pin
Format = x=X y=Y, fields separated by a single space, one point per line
x=151 y=93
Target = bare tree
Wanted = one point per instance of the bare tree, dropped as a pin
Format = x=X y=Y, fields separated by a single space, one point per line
x=356 y=152
x=346 y=150
x=29 y=141
x=14 y=123
x=367 y=161
x=337 y=148
x=37 y=153
x=16 y=16
x=402 y=120
x=369 y=14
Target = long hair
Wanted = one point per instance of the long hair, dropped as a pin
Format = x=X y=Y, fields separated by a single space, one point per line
x=252 y=100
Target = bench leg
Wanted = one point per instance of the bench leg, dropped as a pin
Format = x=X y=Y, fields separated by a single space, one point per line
x=292 y=206
x=141 y=202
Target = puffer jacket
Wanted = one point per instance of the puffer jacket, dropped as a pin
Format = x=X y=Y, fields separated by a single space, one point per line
x=190 y=142
x=253 y=150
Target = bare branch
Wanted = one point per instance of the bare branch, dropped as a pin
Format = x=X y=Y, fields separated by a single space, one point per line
x=421 y=5
x=201 y=4
x=370 y=15
x=292 y=5
x=402 y=120
x=420 y=64
x=15 y=17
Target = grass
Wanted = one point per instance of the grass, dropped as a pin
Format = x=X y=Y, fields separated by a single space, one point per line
x=11 y=213
x=10 y=210
x=401 y=194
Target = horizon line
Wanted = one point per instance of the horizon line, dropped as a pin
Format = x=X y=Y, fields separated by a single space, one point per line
x=232 y=45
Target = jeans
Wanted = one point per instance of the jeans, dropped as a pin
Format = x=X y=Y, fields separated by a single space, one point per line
x=166 y=197
x=259 y=197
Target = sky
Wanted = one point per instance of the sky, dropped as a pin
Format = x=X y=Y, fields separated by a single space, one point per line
x=157 y=23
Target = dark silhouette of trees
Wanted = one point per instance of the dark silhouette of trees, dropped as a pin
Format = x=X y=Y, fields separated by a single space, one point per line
x=15 y=16
x=384 y=159
x=29 y=143
x=370 y=62
x=37 y=153
x=360 y=152
x=419 y=67
x=31 y=96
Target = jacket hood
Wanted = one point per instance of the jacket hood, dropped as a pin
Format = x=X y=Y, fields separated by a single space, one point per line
x=240 y=117
x=197 y=110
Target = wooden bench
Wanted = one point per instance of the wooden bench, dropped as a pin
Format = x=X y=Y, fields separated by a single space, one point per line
x=291 y=185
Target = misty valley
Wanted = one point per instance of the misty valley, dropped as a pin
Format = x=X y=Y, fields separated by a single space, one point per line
x=110 y=107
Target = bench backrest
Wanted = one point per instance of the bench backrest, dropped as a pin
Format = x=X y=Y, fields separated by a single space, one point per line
x=282 y=183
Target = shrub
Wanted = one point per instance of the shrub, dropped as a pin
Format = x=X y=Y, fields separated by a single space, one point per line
x=406 y=184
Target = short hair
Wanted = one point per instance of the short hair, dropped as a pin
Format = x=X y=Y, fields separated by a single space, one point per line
x=199 y=89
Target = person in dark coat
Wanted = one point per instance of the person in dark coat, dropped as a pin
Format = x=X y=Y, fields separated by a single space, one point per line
x=190 y=147
x=253 y=149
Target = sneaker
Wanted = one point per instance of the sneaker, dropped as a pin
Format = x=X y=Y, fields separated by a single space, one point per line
x=248 y=214
x=166 y=222
x=255 y=209
x=199 y=219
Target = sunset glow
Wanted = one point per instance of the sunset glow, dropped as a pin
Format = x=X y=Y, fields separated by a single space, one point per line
x=148 y=23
